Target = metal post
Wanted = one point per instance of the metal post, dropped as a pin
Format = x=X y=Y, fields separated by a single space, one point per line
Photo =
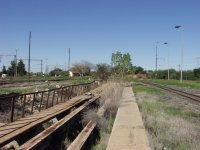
x=41 y=101
x=57 y=97
x=29 y=56
x=23 y=107
x=53 y=97
x=61 y=94
x=167 y=62
x=47 y=99
x=41 y=67
x=46 y=67
x=69 y=60
x=156 y=59
x=12 y=109
x=16 y=64
x=156 y=56
x=181 y=78
x=33 y=103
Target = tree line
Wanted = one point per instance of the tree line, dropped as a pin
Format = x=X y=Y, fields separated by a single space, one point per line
x=121 y=65
x=14 y=68
x=174 y=74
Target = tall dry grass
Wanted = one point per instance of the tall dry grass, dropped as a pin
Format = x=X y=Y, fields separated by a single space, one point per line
x=109 y=103
x=104 y=115
x=167 y=131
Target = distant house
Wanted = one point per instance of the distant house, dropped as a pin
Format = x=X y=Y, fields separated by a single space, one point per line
x=73 y=73
x=4 y=75
x=139 y=75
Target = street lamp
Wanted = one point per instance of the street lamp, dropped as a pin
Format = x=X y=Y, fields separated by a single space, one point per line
x=156 y=59
x=181 y=79
x=167 y=62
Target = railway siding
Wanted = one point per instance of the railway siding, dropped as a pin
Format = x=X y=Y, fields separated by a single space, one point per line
x=13 y=130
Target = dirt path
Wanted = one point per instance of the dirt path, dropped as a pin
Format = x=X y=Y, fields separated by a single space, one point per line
x=128 y=132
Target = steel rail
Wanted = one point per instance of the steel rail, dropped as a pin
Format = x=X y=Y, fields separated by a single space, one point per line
x=191 y=96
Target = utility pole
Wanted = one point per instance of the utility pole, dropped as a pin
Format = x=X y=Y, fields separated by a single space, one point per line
x=156 y=59
x=46 y=67
x=167 y=62
x=181 y=78
x=69 y=60
x=198 y=58
x=41 y=67
x=15 y=60
x=16 y=64
x=29 y=56
x=156 y=56
x=179 y=67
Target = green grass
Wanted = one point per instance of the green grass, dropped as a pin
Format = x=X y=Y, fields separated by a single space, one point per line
x=147 y=89
x=185 y=83
x=74 y=80
x=172 y=111
x=161 y=116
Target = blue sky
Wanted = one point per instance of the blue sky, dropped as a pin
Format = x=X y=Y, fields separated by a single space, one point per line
x=94 y=29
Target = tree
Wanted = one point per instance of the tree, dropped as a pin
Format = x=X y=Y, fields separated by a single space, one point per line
x=197 y=73
x=103 y=71
x=4 y=71
x=137 y=69
x=56 y=71
x=121 y=62
x=21 y=68
x=84 y=67
x=11 y=69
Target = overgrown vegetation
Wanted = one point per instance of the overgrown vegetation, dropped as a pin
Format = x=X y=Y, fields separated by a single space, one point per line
x=170 y=126
x=174 y=74
x=108 y=104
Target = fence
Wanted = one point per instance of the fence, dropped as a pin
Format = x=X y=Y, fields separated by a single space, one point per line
x=28 y=103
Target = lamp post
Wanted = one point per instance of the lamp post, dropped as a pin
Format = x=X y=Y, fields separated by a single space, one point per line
x=167 y=61
x=181 y=78
x=156 y=59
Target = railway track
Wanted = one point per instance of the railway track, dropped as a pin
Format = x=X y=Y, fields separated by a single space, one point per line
x=191 y=96
x=20 y=130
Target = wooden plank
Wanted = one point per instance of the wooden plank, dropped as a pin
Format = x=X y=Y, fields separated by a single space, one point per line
x=78 y=143
x=32 y=143
x=16 y=122
x=11 y=127
x=5 y=132
x=68 y=105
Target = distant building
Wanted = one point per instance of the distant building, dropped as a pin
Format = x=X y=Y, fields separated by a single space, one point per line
x=139 y=75
x=4 y=75
x=73 y=73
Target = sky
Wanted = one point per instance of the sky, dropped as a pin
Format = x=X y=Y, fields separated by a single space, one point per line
x=94 y=29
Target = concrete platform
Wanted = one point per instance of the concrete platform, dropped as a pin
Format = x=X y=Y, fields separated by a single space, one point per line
x=128 y=132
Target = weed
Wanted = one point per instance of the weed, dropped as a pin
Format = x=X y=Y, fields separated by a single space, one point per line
x=147 y=89
x=169 y=125
x=187 y=84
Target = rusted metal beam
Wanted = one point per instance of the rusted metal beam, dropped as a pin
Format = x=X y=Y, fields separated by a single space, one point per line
x=81 y=139
x=32 y=121
x=12 y=109
x=35 y=141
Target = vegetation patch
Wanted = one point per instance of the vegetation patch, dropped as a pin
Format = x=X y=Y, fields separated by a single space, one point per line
x=169 y=126
x=186 y=83
x=108 y=104
x=148 y=89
